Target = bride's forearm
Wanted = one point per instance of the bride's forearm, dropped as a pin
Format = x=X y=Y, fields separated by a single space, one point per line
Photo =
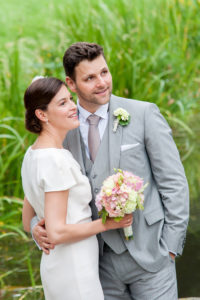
x=70 y=233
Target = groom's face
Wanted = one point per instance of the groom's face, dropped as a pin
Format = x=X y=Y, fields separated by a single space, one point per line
x=93 y=83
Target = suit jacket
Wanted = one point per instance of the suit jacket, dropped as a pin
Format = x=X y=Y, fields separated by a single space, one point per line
x=146 y=148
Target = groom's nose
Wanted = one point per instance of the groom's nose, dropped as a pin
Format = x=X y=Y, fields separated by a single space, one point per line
x=100 y=81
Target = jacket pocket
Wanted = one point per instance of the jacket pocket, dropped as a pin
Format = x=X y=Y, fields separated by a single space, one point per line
x=129 y=146
x=154 y=216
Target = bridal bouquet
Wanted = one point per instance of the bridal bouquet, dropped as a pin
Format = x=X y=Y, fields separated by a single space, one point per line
x=120 y=194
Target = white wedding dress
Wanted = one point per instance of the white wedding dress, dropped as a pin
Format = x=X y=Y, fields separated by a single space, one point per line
x=70 y=271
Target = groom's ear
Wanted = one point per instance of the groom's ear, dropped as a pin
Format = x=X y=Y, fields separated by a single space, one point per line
x=71 y=84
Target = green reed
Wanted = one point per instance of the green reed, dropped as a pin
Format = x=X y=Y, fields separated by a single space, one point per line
x=18 y=256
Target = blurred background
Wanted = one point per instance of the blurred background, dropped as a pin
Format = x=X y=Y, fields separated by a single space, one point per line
x=153 y=51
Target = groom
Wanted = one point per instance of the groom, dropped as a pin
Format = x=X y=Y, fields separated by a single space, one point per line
x=143 y=268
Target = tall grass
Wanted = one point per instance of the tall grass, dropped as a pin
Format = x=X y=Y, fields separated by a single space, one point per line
x=153 y=51
x=19 y=266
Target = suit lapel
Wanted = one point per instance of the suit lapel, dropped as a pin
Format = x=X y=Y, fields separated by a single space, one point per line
x=115 y=139
x=75 y=146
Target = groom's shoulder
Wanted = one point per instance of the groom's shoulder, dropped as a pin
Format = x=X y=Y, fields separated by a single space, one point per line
x=128 y=103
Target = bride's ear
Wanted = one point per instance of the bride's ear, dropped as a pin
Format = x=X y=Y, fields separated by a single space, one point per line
x=41 y=115
x=71 y=84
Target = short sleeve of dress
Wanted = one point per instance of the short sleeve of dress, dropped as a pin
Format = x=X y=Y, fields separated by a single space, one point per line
x=56 y=172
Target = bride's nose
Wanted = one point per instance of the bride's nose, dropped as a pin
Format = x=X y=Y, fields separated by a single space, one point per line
x=72 y=104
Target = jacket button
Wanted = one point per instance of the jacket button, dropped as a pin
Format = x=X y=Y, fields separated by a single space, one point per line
x=96 y=190
x=94 y=176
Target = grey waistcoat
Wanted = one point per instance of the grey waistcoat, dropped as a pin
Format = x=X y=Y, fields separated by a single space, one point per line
x=112 y=237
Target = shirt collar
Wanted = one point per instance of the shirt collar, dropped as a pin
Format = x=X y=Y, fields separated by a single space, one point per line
x=102 y=111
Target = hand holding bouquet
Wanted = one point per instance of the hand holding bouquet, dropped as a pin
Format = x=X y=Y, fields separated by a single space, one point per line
x=121 y=193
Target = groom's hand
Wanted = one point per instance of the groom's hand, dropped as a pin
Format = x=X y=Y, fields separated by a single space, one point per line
x=172 y=255
x=40 y=235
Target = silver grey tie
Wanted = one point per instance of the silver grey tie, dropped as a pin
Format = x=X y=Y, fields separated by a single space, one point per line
x=93 y=136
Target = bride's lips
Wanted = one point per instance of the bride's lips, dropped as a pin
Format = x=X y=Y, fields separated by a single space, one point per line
x=74 y=115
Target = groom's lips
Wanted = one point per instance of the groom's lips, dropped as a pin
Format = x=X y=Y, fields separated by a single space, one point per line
x=102 y=91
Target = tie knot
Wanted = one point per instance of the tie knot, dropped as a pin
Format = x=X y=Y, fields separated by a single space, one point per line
x=93 y=120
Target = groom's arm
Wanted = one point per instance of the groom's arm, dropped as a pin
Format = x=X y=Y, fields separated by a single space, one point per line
x=170 y=178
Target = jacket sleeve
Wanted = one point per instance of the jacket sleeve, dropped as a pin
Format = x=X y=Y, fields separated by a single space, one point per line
x=169 y=176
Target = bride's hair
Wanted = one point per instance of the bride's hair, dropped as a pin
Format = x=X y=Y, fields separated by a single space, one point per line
x=37 y=96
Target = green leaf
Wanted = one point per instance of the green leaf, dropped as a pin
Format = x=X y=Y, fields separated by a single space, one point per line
x=104 y=215
x=124 y=123
x=118 y=219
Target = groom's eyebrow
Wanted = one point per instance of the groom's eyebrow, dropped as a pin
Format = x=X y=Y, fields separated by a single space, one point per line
x=94 y=73
x=89 y=74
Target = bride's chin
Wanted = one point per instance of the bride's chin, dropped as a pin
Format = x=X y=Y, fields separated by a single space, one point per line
x=76 y=124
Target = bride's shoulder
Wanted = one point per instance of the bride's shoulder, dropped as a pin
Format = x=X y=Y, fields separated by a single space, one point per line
x=53 y=154
x=50 y=157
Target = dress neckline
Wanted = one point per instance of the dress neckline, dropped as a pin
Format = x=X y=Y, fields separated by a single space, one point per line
x=48 y=148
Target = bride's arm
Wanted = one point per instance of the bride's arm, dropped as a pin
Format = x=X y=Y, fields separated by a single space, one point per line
x=59 y=232
x=38 y=231
x=27 y=214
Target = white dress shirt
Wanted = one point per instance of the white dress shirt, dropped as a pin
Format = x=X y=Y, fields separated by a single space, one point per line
x=84 y=124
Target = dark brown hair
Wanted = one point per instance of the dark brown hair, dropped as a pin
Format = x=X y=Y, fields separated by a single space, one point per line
x=37 y=96
x=78 y=52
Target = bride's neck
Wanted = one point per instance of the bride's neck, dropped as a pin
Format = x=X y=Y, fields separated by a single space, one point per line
x=49 y=140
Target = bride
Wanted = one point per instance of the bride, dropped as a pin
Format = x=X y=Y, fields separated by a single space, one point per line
x=56 y=190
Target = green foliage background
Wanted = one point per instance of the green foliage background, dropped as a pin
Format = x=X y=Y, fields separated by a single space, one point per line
x=153 y=51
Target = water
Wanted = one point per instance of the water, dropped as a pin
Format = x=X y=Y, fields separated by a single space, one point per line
x=188 y=265
x=14 y=257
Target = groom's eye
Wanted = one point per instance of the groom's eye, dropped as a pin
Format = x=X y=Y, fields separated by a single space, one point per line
x=104 y=72
x=89 y=78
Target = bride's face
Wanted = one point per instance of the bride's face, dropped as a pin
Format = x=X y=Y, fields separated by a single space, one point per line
x=61 y=112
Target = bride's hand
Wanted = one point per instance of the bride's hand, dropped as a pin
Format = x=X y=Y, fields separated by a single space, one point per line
x=125 y=222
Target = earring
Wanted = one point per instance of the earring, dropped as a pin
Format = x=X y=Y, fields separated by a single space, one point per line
x=47 y=122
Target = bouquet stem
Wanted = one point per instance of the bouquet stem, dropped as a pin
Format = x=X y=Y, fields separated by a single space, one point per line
x=128 y=232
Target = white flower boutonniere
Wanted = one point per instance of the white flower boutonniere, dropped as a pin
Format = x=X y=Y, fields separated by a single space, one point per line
x=122 y=118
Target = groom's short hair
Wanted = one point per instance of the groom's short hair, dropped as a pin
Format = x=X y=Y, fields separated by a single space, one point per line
x=78 y=52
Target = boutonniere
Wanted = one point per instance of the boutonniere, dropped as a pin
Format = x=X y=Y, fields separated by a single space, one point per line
x=122 y=118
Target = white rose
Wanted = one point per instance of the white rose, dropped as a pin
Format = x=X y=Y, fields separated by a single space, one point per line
x=108 y=185
x=133 y=196
x=130 y=207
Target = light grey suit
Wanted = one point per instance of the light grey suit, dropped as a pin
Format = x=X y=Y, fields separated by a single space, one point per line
x=146 y=148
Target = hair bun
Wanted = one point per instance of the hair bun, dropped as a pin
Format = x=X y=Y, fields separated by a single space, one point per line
x=36 y=78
